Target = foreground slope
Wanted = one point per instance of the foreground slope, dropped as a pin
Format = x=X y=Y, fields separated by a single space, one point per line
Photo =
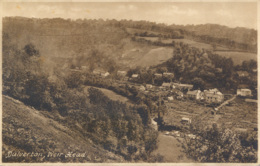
x=27 y=130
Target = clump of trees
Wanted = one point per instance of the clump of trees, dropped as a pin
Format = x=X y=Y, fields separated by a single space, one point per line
x=117 y=127
x=214 y=144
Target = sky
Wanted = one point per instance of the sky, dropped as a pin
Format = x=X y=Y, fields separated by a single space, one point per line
x=232 y=14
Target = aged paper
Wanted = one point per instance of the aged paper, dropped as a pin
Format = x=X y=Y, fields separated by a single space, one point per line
x=129 y=82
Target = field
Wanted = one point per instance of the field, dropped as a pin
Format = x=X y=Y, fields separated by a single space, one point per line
x=170 y=149
x=143 y=55
x=112 y=95
x=239 y=114
x=238 y=57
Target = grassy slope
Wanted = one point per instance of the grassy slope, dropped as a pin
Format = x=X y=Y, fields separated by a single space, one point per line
x=112 y=95
x=238 y=57
x=28 y=130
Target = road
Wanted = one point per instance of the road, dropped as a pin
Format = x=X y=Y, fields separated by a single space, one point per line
x=170 y=149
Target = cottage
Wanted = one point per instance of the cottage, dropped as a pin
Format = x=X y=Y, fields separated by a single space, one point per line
x=165 y=74
x=166 y=85
x=135 y=75
x=196 y=94
x=213 y=96
x=242 y=73
x=149 y=86
x=121 y=73
x=185 y=120
x=158 y=75
x=183 y=86
x=244 y=92
x=142 y=88
x=105 y=74
x=170 y=98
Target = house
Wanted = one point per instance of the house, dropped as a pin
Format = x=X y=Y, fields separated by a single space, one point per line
x=213 y=96
x=105 y=74
x=183 y=86
x=170 y=98
x=185 y=120
x=158 y=75
x=166 y=85
x=244 y=92
x=149 y=86
x=242 y=73
x=196 y=94
x=165 y=74
x=135 y=75
x=142 y=88
x=121 y=73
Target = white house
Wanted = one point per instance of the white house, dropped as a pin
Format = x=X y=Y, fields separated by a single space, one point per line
x=186 y=120
x=149 y=86
x=142 y=88
x=213 y=96
x=196 y=94
x=170 y=98
x=244 y=92
x=105 y=74
x=135 y=75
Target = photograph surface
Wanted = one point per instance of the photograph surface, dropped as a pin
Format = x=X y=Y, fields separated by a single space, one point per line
x=129 y=82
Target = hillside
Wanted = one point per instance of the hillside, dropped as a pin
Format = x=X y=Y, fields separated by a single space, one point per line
x=109 y=42
x=28 y=130
x=234 y=38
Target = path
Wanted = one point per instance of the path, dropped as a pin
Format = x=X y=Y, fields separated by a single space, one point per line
x=225 y=103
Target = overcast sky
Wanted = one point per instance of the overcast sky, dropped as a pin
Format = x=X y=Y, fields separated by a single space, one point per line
x=232 y=14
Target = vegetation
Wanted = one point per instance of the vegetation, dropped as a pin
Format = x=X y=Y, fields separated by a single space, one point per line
x=221 y=145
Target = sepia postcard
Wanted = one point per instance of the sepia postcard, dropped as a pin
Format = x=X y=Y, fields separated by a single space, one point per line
x=129 y=82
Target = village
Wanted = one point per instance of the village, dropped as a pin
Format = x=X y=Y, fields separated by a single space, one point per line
x=186 y=105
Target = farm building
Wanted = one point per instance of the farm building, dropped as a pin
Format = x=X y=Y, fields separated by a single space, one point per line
x=213 y=96
x=183 y=86
x=196 y=94
x=244 y=92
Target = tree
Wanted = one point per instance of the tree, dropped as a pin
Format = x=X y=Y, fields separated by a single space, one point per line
x=31 y=50
x=198 y=83
x=218 y=145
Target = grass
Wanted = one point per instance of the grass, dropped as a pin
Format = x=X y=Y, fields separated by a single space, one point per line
x=112 y=95
x=239 y=114
x=170 y=149
x=238 y=57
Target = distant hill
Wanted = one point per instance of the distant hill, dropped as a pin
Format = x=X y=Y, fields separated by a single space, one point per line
x=236 y=38
x=28 y=130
